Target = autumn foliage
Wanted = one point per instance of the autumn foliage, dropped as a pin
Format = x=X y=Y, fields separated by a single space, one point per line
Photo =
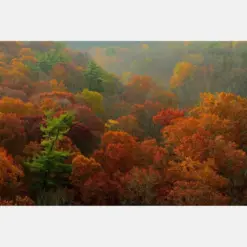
x=165 y=117
x=9 y=176
x=72 y=133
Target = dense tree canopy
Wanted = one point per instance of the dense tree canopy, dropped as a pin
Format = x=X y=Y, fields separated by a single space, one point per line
x=123 y=123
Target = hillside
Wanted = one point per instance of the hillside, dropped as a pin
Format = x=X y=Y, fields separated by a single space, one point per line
x=123 y=123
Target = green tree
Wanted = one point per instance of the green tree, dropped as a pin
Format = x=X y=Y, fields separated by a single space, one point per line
x=94 y=77
x=46 y=60
x=99 y=80
x=94 y=100
x=48 y=169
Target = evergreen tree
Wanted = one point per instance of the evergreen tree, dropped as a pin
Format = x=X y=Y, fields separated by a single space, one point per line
x=99 y=80
x=48 y=169
x=46 y=60
x=94 y=77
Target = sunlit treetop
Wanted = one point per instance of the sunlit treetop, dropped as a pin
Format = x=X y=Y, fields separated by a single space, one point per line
x=181 y=72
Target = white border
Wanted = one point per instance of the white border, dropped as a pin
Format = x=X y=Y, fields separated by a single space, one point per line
x=123 y=226
x=124 y=21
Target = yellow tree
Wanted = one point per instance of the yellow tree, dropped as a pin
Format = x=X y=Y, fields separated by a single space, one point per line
x=181 y=80
x=112 y=125
x=181 y=72
x=94 y=100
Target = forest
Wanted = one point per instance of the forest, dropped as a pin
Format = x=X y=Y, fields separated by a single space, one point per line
x=123 y=123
